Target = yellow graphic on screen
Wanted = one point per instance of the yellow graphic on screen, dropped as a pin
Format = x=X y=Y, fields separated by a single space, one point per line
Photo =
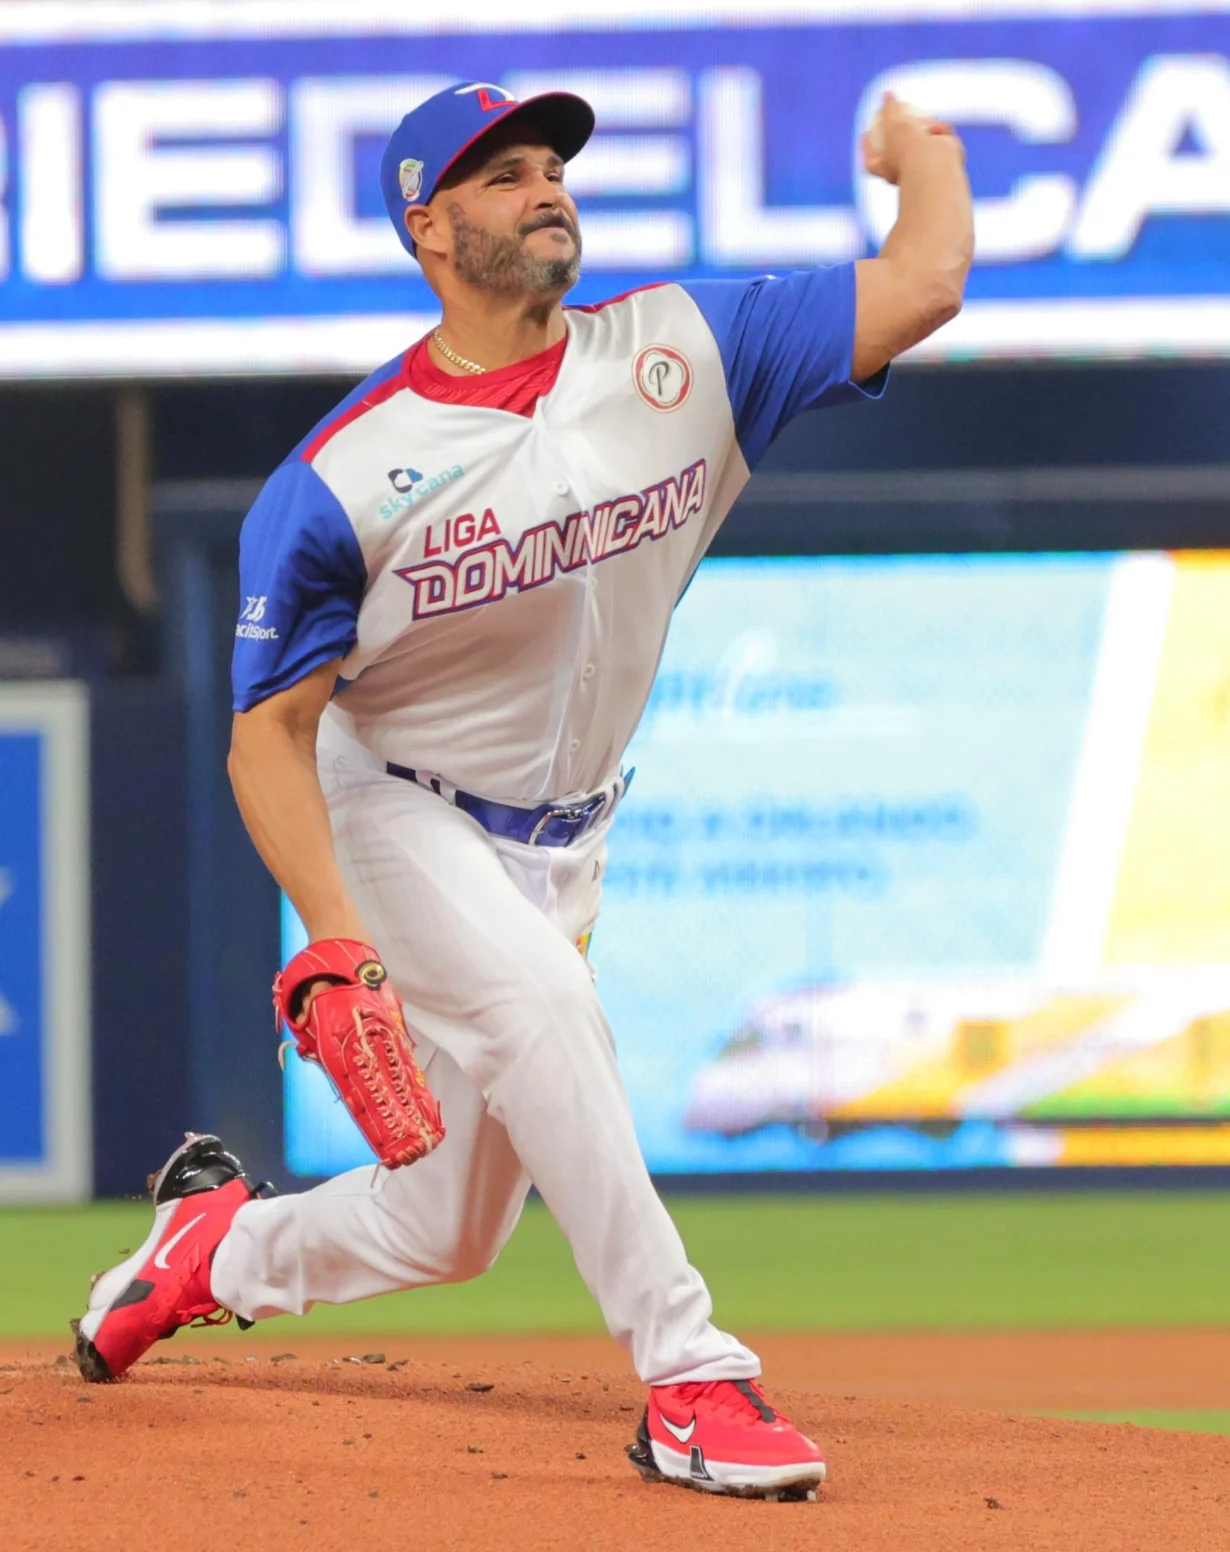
x=1188 y=1074
x=822 y=1057
x=1074 y=1063
x=979 y=1049
x=1172 y=903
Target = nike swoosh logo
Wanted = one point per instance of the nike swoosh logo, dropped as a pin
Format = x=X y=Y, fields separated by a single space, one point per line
x=682 y=1434
x=160 y=1260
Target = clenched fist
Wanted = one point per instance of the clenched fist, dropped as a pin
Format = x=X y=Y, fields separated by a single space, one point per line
x=894 y=129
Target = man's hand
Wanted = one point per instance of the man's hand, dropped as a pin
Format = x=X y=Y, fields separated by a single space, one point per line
x=309 y=991
x=895 y=129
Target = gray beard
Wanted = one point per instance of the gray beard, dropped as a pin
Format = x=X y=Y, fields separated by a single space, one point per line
x=502 y=263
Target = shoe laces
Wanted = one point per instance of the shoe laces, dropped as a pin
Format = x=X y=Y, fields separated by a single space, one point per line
x=206 y=1311
x=215 y=1317
x=741 y=1398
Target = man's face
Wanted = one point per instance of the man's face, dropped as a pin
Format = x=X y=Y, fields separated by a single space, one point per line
x=514 y=228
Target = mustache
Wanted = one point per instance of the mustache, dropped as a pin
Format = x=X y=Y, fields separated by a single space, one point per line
x=553 y=218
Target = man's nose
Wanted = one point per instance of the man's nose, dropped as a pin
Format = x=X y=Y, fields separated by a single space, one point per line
x=547 y=192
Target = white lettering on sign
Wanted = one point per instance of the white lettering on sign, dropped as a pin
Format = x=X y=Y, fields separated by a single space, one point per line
x=653 y=240
x=136 y=177
x=1143 y=169
x=1031 y=100
x=653 y=97
x=631 y=164
x=51 y=238
x=737 y=227
x=636 y=165
x=327 y=115
x=180 y=174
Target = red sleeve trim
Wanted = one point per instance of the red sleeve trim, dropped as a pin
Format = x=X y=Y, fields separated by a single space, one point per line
x=378 y=395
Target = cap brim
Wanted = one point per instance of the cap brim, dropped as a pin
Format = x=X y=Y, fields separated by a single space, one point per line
x=565 y=120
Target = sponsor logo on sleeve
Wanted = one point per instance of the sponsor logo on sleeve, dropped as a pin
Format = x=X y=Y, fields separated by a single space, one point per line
x=250 y=616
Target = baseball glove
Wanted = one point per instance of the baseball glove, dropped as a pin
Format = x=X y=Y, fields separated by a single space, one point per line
x=354 y=1029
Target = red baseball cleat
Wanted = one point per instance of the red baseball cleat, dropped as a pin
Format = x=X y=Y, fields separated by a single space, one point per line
x=722 y=1436
x=165 y=1285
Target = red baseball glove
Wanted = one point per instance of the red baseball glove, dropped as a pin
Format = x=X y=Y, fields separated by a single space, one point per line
x=354 y=1029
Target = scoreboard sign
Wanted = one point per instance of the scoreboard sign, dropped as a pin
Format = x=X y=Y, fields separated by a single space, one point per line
x=190 y=185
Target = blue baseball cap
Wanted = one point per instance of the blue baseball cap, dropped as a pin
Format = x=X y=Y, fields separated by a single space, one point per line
x=433 y=136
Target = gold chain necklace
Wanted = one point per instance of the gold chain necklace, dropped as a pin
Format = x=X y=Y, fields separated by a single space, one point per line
x=451 y=355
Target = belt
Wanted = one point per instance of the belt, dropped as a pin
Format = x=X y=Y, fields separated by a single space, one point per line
x=550 y=824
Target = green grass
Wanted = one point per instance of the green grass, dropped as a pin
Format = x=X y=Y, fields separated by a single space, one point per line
x=1191 y=1420
x=790 y=1263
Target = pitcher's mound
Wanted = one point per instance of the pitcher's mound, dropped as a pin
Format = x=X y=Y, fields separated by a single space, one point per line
x=212 y=1451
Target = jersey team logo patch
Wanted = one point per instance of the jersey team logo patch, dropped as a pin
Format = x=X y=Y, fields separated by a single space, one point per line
x=663 y=376
x=410 y=179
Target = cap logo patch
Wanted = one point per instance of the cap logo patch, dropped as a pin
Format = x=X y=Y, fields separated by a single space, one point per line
x=663 y=376
x=490 y=98
x=410 y=179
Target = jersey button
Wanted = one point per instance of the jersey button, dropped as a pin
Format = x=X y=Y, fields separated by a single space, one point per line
x=588 y=671
x=574 y=746
x=561 y=487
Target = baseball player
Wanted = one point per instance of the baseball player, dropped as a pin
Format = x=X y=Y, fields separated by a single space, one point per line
x=455 y=593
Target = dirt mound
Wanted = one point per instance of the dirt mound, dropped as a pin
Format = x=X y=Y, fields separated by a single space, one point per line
x=406 y=1448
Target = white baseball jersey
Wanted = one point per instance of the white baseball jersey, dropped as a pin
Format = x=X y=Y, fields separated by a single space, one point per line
x=497 y=571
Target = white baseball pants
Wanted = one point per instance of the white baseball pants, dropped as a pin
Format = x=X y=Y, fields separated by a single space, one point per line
x=479 y=937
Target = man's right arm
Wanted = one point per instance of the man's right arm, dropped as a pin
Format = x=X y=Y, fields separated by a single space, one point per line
x=331 y=989
x=272 y=766
x=302 y=578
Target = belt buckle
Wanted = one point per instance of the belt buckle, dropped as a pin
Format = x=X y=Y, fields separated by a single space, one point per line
x=579 y=813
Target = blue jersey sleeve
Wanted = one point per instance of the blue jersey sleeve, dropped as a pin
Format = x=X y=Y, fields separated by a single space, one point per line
x=787 y=346
x=301 y=581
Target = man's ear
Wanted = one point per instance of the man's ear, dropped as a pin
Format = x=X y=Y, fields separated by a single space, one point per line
x=423 y=227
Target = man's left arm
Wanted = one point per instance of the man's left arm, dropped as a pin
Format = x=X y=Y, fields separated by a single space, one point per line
x=916 y=283
x=825 y=336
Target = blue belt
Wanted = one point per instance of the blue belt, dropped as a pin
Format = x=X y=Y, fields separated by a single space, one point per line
x=550 y=824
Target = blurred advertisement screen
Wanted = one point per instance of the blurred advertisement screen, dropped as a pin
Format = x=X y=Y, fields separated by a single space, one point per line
x=44 y=942
x=926 y=865
x=190 y=186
